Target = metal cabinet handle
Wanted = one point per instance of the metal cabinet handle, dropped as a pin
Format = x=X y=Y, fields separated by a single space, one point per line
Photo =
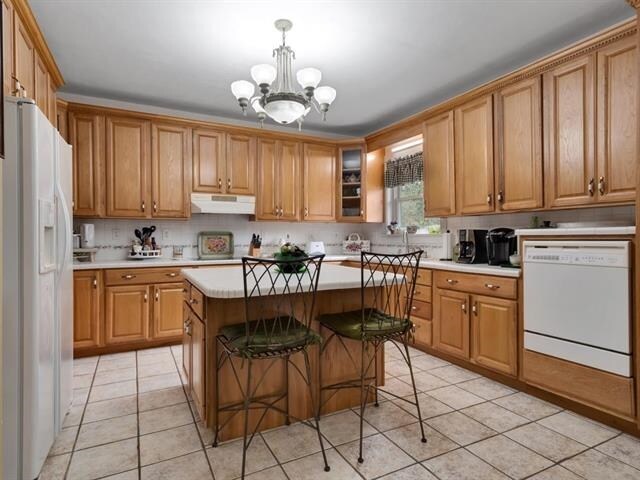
x=489 y=198
x=146 y=297
x=219 y=183
x=474 y=308
x=142 y=206
x=194 y=301
x=464 y=307
x=173 y=274
x=413 y=308
x=228 y=183
x=362 y=213
x=591 y=187
x=281 y=211
x=491 y=286
x=500 y=196
x=601 y=185
x=451 y=281
x=155 y=206
x=128 y=276
x=95 y=282
x=306 y=212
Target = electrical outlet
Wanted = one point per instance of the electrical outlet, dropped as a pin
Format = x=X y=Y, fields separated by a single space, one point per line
x=115 y=234
x=165 y=234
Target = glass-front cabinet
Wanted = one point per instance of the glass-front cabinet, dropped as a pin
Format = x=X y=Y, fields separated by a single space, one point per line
x=352 y=169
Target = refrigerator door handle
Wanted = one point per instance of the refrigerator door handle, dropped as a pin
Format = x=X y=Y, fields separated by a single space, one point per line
x=67 y=226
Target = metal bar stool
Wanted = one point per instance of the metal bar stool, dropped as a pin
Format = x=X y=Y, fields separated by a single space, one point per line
x=279 y=301
x=386 y=318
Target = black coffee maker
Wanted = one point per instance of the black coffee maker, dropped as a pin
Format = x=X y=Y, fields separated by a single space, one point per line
x=473 y=247
x=501 y=244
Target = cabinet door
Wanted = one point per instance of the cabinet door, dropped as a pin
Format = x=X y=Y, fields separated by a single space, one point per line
x=127 y=148
x=267 y=207
x=617 y=122
x=451 y=323
x=186 y=343
x=86 y=135
x=289 y=174
x=439 y=170
x=319 y=183
x=167 y=310
x=493 y=333
x=87 y=285
x=7 y=48
x=24 y=57
x=519 y=146
x=208 y=161
x=569 y=135
x=126 y=314
x=474 y=156
x=41 y=84
x=198 y=370
x=241 y=164
x=170 y=171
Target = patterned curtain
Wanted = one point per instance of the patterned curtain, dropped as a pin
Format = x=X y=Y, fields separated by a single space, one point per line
x=403 y=170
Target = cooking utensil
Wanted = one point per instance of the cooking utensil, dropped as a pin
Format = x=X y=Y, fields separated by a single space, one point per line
x=138 y=234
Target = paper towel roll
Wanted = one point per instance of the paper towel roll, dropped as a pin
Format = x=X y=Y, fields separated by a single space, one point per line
x=447 y=247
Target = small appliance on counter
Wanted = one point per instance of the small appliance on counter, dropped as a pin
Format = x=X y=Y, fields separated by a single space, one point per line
x=501 y=244
x=316 y=248
x=255 y=247
x=145 y=247
x=447 y=246
x=473 y=246
x=87 y=235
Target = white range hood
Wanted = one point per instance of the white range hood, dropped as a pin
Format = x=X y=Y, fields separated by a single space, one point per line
x=212 y=203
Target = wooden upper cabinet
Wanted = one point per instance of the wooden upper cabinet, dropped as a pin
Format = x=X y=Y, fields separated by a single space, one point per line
x=53 y=110
x=127 y=159
x=87 y=285
x=86 y=135
x=208 y=161
x=126 y=313
x=319 y=182
x=24 y=57
x=451 y=323
x=170 y=170
x=494 y=333
x=41 y=79
x=7 y=48
x=289 y=175
x=569 y=133
x=241 y=164
x=167 y=310
x=439 y=169
x=474 y=156
x=267 y=207
x=519 y=146
x=617 y=122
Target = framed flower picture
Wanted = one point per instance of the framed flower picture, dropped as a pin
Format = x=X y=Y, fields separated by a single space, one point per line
x=215 y=245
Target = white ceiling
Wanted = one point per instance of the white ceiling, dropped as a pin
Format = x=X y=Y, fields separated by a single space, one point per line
x=387 y=59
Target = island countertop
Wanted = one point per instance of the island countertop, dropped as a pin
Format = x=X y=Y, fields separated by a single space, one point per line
x=228 y=282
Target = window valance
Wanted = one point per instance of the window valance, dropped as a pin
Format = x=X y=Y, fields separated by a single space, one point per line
x=402 y=170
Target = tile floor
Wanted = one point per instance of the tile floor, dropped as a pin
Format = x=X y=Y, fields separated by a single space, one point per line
x=131 y=419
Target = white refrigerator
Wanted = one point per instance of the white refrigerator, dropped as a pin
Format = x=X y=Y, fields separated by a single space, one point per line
x=37 y=332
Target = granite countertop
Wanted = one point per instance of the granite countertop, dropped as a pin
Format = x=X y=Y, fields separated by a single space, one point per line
x=617 y=230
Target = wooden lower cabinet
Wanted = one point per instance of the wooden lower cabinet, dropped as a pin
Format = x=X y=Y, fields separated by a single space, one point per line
x=87 y=285
x=493 y=333
x=126 y=313
x=167 y=310
x=197 y=375
x=451 y=323
x=186 y=344
x=422 y=331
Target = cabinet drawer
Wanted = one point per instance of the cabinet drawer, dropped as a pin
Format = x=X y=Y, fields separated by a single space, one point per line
x=422 y=333
x=481 y=284
x=422 y=293
x=421 y=310
x=424 y=277
x=141 y=276
x=196 y=300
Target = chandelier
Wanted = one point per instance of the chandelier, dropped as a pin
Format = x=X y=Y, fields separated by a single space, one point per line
x=278 y=96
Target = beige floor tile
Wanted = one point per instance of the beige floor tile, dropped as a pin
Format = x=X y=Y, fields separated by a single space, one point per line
x=546 y=442
x=55 y=467
x=424 y=382
x=579 y=428
x=130 y=475
x=312 y=468
x=105 y=365
x=429 y=406
x=226 y=459
x=414 y=472
x=64 y=441
x=175 y=442
x=344 y=427
x=104 y=460
x=380 y=455
x=387 y=416
x=397 y=387
x=293 y=441
x=189 y=467
x=118 y=356
x=84 y=368
x=428 y=362
x=80 y=396
x=460 y=428
x=161 y=398
x=408 y=438
x=107 y=431
x=398 y=368
x=625 y=448
x=112 y=390
x=509 y=457
x=462 y=465
x=495 y=417
x=154 y=359
x=485 y=388
x=164 y=418
x=527 y=406
x=161 y=368
x=455 y=397
x=153 y=351
x=82 y=381
x=454 y=374
x=555 y=473
x=273 y=473
x=159 y=382
x=594 y=465
x=115 y=407
x=206 y=434
x=414 y=352
x=114 y=376
x=73 y=416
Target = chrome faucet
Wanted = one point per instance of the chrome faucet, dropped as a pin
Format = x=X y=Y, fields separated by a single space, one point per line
x=405 y=239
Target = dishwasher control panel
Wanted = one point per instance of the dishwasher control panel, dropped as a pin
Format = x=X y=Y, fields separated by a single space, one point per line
x=597 y=254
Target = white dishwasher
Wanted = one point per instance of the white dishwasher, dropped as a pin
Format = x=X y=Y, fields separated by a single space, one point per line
x=577 y=302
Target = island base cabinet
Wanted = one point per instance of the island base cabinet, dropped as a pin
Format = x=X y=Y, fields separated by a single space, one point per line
x=493 y=333
x=198 y=377
x=186 y=346
x=126 y=313
x=451 y=323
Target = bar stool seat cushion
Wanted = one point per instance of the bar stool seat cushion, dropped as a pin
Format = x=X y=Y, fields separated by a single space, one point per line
x=272 y=335
x=377 y=324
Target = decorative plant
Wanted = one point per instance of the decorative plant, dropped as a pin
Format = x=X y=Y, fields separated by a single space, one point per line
x=290 y=251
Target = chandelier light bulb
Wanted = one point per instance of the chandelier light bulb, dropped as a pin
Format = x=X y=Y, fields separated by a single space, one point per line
x=242 y=89
x=309 y=77
x=263 y=74
x=325 y=95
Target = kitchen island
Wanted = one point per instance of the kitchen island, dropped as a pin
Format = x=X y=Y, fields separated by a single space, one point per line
x=214 y=297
